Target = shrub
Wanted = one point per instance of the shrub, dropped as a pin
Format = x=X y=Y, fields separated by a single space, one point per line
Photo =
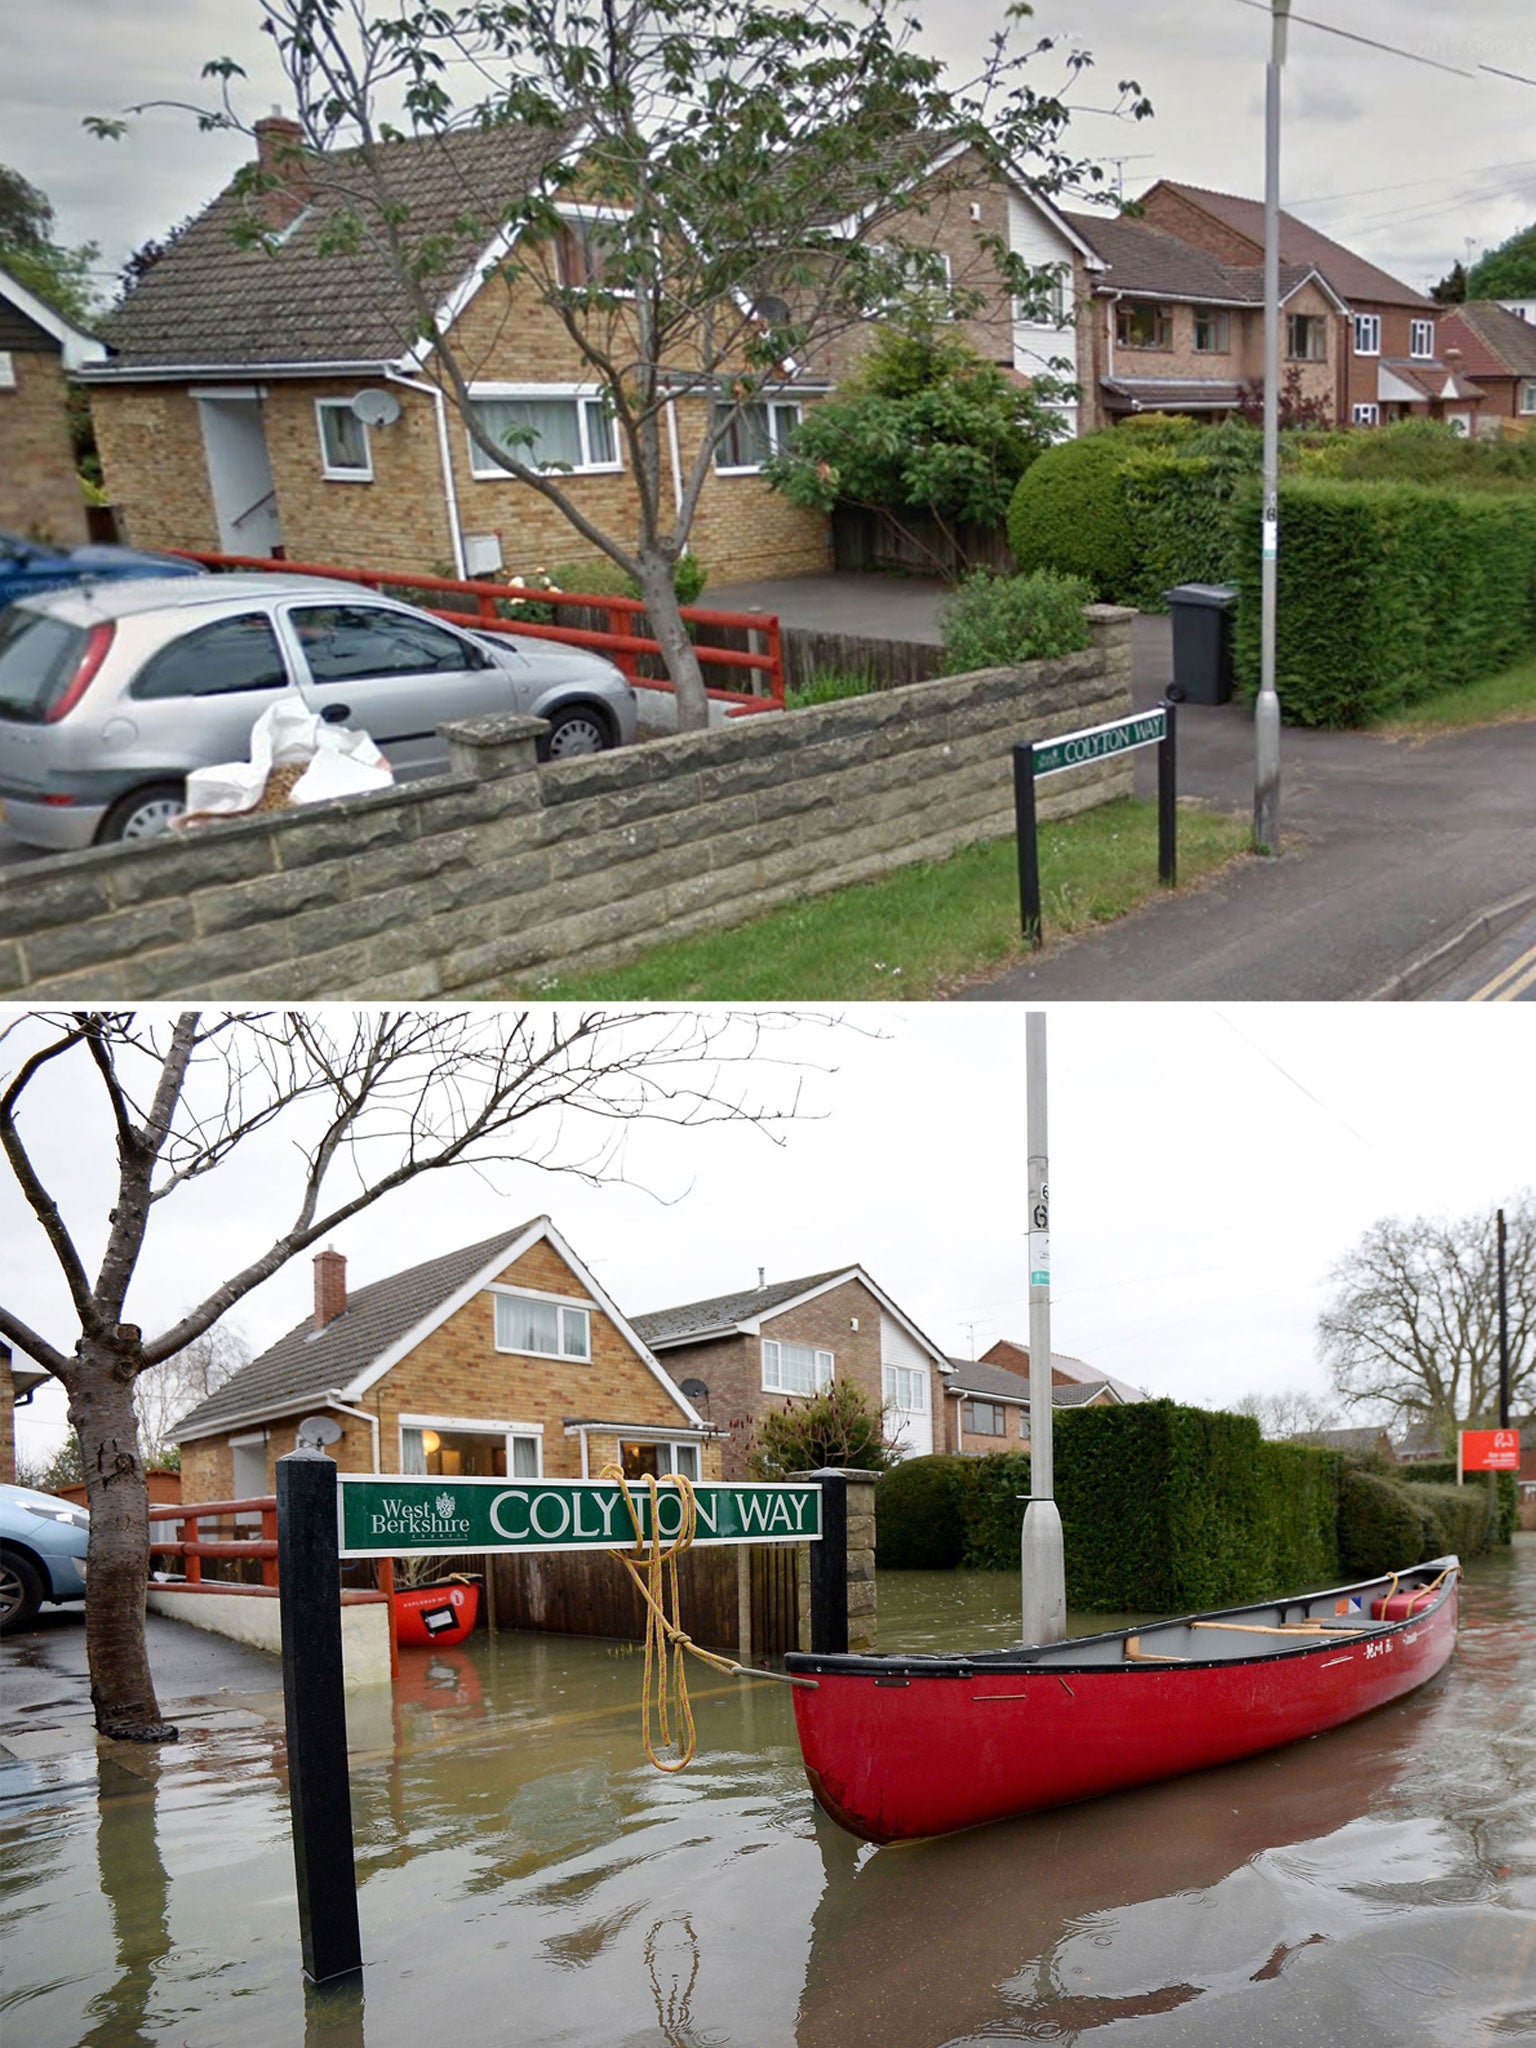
x=1463 y=1519
x=1442 y=1472
x=1426 y=452
x=1069 y=512
x=604 y=578
x=828 y=687
x=992 y=1510
x=1382 y=1528
x=1387 y=591
x=918 y=1517
x=837 y=1427
x=1178 y=502
x=994 y=621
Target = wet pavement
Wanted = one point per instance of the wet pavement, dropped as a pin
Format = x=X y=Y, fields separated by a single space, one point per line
x=526 y=1877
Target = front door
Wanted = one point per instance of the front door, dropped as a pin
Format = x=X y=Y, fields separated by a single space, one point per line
x=240 y=474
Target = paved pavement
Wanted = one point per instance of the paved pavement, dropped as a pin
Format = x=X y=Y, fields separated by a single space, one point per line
x=1391 y=850
x=205 y=1683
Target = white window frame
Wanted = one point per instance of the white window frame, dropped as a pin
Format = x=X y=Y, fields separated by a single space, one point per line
x=561 y=1302
x=7 y=370
x=1528 y=396
x=1367 y=334
x=823 y=1369
x=332 y=471
x=484 y=469
x=477 y=1425
x=670 y=1444
x=1366 y=415
x=1421 y=340
x=575 y=215
x=772 y=406
x=892 y=1377
x=1221 y=322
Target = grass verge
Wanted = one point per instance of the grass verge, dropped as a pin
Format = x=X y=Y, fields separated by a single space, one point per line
x=928 y=928
x=1493 y=700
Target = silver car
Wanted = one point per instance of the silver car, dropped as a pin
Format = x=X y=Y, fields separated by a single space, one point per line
x=110 y=694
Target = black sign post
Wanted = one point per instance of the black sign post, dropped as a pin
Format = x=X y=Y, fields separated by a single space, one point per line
x=314 y=1699
x=1035 y=758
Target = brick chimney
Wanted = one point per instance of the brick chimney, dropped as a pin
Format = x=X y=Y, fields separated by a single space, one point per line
x=285 y=165
x=330 y=1287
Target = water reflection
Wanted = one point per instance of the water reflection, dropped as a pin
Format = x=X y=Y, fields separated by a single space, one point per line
x=137 y=1892
x=525 y=1875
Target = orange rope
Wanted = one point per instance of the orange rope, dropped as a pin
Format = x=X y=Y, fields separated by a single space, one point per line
x=666 y=1676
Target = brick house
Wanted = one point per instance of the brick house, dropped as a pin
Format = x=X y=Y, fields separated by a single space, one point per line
x=959 y=207
x=504 y=1358
x=1497 y=349
x=1166 y=326
x=229 y=417
x=768 y=1347
x=986 y=1406
x=40 y=495
x=1386 y=362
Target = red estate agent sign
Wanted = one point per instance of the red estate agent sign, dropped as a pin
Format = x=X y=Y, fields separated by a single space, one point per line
x=1490 y=1450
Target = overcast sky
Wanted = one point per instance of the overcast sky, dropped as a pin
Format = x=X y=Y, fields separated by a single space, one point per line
x=1208 y=1167
x=1405 y=162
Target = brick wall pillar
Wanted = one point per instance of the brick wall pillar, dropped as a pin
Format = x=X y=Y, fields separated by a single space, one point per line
x=836 y=1582
x=495 y=746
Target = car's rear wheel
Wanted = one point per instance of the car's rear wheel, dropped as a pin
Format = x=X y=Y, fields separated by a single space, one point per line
x=21 y=1590
x=577 y=729
x=146 y=814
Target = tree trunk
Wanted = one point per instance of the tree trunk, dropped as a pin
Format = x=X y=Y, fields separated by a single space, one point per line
x=101 y=1409
x=677 y=650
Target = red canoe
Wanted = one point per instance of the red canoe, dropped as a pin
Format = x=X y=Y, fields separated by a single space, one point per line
x=899 y=1747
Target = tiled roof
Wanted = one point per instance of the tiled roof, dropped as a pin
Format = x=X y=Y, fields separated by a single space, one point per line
x=209 y=302
x=1143 y=259
x=995 y=1383
x=724 y=1311
x=1350 y=275
x=302 y=1367
x=1433 y=379
x=1493 y=341
x=1155 y=394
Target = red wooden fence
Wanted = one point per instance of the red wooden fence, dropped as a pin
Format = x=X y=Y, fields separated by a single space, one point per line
x=621 y=642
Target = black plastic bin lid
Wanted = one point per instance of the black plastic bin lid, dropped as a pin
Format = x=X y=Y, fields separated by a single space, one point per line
x=1219 y=597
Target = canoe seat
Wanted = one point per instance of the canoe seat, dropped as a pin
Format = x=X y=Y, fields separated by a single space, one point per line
x=1135 y=1654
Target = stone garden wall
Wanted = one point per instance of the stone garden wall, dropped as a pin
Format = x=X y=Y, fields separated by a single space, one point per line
x=505 y=870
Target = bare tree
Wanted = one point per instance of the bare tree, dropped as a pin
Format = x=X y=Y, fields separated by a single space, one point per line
x=364 y=1103
x=1291 y=1413
x=164 y=1393
x=1412 y=1334
x=744 y=177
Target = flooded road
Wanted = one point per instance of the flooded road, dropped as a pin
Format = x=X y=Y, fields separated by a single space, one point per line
x=527 y=1878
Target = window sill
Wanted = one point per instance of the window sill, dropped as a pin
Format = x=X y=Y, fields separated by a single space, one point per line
x=505 y=476
x=740 y=469
x=546 y=1357
x=346 y=476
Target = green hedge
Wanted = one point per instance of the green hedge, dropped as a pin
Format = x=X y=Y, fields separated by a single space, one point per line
x=1442 y=1472
x=1069 y=510
x=1381 y=1526
x=1162 y=1508
x=1387 y=591
x=919 y=1525
x=1463 y=1519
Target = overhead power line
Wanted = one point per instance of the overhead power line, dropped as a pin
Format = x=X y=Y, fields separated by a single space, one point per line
x=1370 y=43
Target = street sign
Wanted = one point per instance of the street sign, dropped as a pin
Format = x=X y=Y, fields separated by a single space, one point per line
x=1490 y=1450
x=1034 y=758
x=1097 y=742
x=394 y=1517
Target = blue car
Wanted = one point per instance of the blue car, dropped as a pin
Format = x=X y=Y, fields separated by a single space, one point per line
x=42 y=1552
x=28 y=566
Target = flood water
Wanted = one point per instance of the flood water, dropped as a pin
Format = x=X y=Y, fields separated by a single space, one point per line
x=525 y=1877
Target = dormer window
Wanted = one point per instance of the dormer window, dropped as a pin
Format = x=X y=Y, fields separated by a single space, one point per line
x=543 y=1326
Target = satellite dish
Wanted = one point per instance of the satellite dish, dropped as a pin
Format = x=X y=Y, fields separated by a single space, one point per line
x=695 y=1390
x=376 y=408
x=316 y=1431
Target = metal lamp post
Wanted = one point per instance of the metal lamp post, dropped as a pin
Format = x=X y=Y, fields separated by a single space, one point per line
x=1043 y=1566
x=1266 y=715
